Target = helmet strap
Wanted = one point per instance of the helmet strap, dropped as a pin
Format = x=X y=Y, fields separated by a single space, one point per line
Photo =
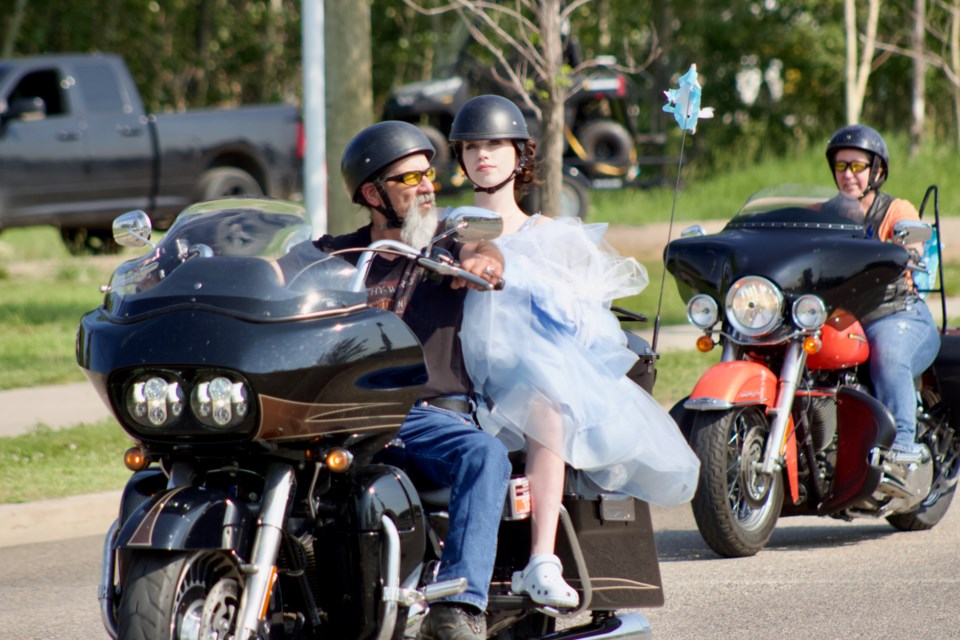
x=393 y=218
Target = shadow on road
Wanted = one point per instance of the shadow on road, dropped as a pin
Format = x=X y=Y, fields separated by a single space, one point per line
x=683 y=545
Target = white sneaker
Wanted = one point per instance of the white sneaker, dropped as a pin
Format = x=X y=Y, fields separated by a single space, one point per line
x=542 y=580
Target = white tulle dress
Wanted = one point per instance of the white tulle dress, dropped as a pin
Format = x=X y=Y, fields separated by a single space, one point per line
x=550 y=360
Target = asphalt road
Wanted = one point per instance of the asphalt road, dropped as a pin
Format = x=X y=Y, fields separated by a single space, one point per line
x=819 y=578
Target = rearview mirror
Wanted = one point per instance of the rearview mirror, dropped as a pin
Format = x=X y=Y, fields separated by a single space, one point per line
x=133 y=229
x=911 y=232
x=472 y=224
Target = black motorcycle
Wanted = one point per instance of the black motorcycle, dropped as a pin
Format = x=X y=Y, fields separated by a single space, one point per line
x=260 y=392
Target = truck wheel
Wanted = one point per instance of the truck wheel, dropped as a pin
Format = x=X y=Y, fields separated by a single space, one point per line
x=574 y=197
x=84 y=242
x=225 y=182
x=606 y=141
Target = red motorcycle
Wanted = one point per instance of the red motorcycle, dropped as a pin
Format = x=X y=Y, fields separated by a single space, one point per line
x=786 y=424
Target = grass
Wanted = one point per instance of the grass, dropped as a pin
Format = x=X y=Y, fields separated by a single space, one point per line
x=48 y=464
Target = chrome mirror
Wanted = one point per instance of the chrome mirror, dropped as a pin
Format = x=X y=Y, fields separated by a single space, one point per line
x=911 y=232
x=133 y=229
x=694 y=231
x=472 y=224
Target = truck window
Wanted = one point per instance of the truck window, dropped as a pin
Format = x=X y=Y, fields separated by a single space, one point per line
x=101 y=91
x=43 y=84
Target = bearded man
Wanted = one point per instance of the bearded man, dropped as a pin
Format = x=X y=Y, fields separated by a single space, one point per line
x=386 y=168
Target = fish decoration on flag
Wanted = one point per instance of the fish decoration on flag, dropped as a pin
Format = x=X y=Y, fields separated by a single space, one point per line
x=684 y=102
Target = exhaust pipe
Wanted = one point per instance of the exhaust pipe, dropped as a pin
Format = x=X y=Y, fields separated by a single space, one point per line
x=622 y=626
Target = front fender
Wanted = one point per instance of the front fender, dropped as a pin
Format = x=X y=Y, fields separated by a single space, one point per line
x=729 y=384
x=189 y=518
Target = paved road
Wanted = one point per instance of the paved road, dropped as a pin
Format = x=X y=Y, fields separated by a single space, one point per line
x=819 y=578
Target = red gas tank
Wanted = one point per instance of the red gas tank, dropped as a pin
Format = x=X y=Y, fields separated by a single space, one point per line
x=844 y=343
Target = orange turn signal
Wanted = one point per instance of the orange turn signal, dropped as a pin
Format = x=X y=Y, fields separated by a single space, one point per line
x=338 y=460
x=704 y=344
x=812 y=344
x=135 y=460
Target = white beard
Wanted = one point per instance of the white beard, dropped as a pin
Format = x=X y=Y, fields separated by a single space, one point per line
x=419 y=228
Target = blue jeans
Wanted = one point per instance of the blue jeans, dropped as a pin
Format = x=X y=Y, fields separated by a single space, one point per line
x=902 y=346
x=449 y=450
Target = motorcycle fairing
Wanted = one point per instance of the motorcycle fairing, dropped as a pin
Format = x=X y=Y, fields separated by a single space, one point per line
x=189 y=518
x=801 y=250
x=862 y=424
x=729 y=384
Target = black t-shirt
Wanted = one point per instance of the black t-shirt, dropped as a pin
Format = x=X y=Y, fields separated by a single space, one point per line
x=434 y=311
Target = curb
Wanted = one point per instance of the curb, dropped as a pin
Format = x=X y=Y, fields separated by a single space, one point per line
x=58 y=518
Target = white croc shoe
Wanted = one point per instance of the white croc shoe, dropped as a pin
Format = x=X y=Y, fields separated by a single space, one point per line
x=542 y=580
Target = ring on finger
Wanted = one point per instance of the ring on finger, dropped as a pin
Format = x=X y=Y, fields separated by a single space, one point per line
x=488 y=271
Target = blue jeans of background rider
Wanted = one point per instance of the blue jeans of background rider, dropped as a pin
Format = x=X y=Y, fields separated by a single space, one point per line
x=449 y=450
x=902 y=346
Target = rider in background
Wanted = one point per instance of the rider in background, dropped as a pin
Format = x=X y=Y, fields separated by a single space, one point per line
x=386 y=169
x=548 y=356
x=902 y=335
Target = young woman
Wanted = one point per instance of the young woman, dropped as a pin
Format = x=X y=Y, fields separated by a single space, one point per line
x=548 y=356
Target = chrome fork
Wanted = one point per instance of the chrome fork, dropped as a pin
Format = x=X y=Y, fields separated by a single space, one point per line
x=793 y=363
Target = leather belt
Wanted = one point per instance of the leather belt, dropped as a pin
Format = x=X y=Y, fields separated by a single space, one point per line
x=457 y=405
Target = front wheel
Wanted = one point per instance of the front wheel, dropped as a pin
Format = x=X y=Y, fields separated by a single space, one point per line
x=735 y=507
x=179 y=596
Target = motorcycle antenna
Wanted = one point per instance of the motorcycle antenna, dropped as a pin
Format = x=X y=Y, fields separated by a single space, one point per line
x=684 y=104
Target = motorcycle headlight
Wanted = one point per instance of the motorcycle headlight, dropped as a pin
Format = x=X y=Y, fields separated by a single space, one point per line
x=155 y=401
x=702 y=311
x=219 y=402
x=809 y=312
x=754 y=306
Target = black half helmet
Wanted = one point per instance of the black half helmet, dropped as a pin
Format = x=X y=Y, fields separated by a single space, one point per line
x=489 y=117
x=864 y=138
x=376 y=148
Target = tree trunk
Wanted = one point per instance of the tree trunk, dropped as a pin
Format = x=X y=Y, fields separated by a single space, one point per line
x=13 y=29
x=955 y=63
x=858 y=68
x=552 y=136
x=349 y=98
x=919 y=84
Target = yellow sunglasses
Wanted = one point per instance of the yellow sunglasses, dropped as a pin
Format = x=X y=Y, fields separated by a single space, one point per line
x=413 y=178
x=856 y=166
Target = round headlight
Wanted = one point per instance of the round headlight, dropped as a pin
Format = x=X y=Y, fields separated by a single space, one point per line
x=809 y=312
x=219 y=402
x=702 y=311
x=155 y=401
x=754 y=306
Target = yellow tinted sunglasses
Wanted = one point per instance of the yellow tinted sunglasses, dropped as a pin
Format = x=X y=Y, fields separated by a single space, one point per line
x=413 y=178
x=856 y=166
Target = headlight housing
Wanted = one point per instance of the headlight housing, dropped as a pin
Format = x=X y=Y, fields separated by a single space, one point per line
x=155 y=401
x=163 y=404
x=754 y=306
x=219 y=402
x=702 y=311
x=809 y=312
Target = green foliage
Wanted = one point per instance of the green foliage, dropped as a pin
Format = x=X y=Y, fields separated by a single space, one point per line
x=49 y=464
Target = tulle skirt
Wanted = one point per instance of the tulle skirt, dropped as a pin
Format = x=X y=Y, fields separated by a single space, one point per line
x=550 y=361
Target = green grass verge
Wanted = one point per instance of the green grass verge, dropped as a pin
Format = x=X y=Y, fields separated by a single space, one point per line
x=48 y=464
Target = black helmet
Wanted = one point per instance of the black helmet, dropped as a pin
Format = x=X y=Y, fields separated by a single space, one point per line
x=376 y=148
x=489 y=117
x=864 y=138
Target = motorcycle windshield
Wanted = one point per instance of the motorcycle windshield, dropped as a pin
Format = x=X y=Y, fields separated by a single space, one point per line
x=804 y=239
x=249 y=258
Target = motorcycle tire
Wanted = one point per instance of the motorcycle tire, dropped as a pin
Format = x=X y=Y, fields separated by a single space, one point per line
x=735 y=515
x=174 y=596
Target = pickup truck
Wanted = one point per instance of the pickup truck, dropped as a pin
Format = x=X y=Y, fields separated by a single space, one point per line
x=77 y=148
